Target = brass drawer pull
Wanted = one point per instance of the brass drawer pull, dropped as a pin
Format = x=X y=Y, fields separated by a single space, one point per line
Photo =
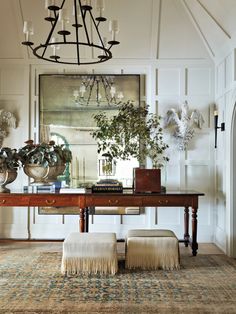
x=163 y=202
x=2 y=201
x=50 y=202
x=114 y=202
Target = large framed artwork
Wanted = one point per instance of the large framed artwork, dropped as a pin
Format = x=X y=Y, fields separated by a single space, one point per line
x=67 y=103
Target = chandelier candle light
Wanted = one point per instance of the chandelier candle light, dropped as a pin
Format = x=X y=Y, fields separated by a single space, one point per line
x=81 y=34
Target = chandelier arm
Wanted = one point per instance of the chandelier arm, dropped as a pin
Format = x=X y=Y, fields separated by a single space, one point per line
x=77 y=33
x=108 y=82
x=55 y=16
x=90 y=90
x=87 y=83
x=96 y=27
x=31 y=48
x=97 y=90
x=52 y=21
x=109 y=47
x=115 y=101
x=52 y=30
x=105 y=84
x=83 y=15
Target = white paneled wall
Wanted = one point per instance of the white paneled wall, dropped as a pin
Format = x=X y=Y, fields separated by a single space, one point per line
x=14 y=97
x=191 y=169
x=162 y=87
x=186 y=170
x=175 y=41
x=225 y=102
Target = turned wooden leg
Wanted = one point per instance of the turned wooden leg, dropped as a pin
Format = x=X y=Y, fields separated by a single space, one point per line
x=81 y=220
x=186 y=226
x=86 y=215
x=194 y=232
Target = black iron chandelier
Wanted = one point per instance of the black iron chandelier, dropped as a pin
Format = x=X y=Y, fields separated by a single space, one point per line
x=82 y=34
x=98 y=90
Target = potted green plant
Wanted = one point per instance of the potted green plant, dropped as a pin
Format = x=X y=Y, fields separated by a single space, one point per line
x=133 y=132
x=64 y=157
x=9 y=163
x=44 y=161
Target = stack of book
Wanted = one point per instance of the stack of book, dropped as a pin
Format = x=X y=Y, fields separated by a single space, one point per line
x=39 y=189
x=107 y=185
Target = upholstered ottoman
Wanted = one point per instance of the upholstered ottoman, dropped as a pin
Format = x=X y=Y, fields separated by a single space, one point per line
x=152 y=249
x=89 y=253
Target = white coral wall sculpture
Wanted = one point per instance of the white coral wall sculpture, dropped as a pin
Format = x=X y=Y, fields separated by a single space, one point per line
x=7 y=119
x=184 y=121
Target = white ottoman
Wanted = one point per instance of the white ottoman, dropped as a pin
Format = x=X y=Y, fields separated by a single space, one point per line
x=152 y=249
x=89 y=253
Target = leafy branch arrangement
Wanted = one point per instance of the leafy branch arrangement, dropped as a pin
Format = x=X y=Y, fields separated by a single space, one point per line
x=132 y=132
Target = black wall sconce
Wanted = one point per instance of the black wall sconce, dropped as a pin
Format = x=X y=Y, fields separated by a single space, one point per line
x=221 y=127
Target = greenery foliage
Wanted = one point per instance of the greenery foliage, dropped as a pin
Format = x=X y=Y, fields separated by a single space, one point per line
x=132 y=132
x=9 y=159
x=44 y=154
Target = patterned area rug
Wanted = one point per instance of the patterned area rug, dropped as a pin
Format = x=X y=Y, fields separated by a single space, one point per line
x=30 y=282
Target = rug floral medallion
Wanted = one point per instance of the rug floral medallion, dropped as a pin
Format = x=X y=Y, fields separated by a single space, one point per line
x=31 y=282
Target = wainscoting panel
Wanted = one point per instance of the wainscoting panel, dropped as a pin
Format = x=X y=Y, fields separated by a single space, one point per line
x=197 y=176
x=173 y=214
x=133 y=220
x=200 y=147
x=220 y=78
x=229 y=71
x=168 y=81
x=11 y=82
x=172 y=175
x=104 y=219
x=199 y=81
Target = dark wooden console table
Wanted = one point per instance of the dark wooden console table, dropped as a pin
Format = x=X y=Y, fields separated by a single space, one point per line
x=184 y=199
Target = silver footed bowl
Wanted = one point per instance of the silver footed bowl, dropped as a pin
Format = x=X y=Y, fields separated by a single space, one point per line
x=54 y=172
x=7 y=177
x=37 y=172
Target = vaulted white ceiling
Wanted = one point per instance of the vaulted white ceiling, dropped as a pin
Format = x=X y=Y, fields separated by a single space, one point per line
x=149 y=29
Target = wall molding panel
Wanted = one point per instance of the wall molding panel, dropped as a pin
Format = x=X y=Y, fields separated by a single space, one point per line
x=162 y=86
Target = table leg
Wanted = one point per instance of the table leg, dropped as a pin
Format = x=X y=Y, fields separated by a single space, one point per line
x=194 y=232
x=81 y=220
x=86 y=214
x=186 y=226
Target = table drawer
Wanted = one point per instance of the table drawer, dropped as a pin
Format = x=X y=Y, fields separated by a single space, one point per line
x=113 y=200
x=13 y=200
x=166 y=201
x=59 y=200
